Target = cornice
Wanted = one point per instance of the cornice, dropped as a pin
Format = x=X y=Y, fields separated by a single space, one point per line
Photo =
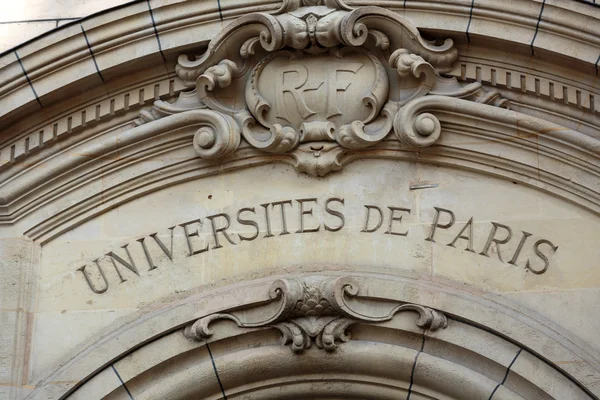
x=104 y=109
x=569 y=94
x=63 y=57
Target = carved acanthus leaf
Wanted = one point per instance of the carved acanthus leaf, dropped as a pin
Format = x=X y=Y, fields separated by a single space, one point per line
x=185 y=102
x=300 y=333
x=317 y=310
x=219 y=75
x=407 y=63
x=318 y=158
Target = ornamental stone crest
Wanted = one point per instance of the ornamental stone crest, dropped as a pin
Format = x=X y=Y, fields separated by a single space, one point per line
x=316 y=310
x=316 y=79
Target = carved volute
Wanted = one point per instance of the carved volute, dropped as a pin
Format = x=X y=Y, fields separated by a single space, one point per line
x=300 y=199
x=318 y=309
x=315 y=81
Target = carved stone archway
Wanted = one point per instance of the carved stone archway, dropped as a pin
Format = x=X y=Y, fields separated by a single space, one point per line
x=303 y=199
x=330 y=336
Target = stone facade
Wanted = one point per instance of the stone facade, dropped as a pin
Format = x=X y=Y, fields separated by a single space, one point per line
x=303 y=199
x=24 y=20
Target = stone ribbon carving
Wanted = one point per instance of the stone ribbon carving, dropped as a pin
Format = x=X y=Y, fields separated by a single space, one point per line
x=312 y=74
x=316 y=310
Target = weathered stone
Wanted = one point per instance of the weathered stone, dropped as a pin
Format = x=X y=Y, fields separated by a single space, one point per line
x=190 y=190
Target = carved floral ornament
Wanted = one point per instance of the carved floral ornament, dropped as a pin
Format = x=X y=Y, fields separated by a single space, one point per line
x=316 y=78
x=316 y=309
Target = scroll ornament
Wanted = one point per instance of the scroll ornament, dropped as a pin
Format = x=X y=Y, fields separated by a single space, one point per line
x=317 y=311
x=317 y=80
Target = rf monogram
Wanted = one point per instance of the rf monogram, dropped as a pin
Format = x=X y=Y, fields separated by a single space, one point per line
x=295 y=81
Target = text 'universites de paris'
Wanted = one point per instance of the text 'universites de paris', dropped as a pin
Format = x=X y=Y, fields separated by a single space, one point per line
x=207 y=234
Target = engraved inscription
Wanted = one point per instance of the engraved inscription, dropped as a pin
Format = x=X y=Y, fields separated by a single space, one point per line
x=290 y=90
x=292 y=79
x=312 y=215
x=296 y=80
